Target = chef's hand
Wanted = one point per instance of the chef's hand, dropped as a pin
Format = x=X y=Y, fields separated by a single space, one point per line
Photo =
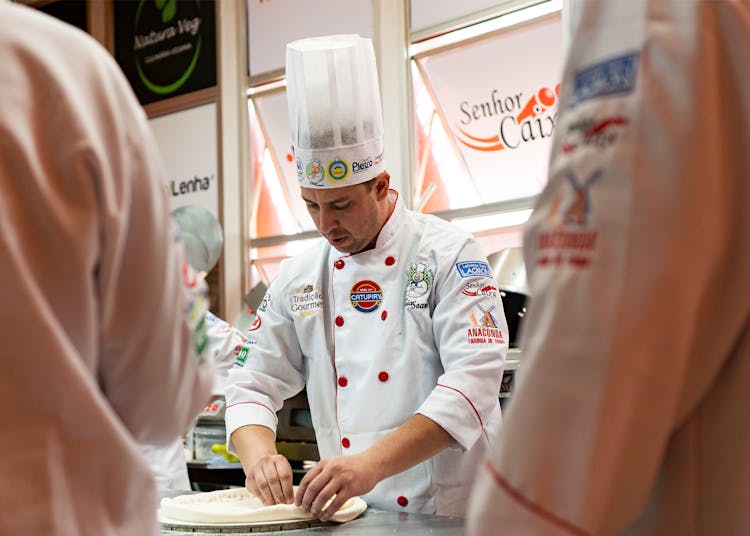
x=343 y=476
x=270 y=479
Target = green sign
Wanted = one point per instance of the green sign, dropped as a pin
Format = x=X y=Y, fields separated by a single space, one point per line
x=166 y=48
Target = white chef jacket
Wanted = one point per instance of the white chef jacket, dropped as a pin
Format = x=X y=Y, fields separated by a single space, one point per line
x=377 y=337
x=630 y=416
x=168 y=462
x=97 y=351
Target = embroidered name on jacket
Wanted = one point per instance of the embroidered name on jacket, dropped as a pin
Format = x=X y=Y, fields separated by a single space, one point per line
x=306 y=301
x=473 y=268
x=614 y=76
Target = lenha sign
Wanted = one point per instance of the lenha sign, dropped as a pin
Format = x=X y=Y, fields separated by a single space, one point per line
x=166 y=48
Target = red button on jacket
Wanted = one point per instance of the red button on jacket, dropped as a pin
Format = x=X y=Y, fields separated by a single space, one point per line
x=343 y=381
x=383 y=376
x=339 y=264
x=339 y=321
x=345 y=442
x=390 y=261
x=402 y=501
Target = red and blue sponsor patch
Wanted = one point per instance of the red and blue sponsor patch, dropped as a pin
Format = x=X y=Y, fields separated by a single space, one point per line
x=366 y=296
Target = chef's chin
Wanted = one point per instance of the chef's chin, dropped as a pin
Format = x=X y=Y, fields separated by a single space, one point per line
x=340 y=244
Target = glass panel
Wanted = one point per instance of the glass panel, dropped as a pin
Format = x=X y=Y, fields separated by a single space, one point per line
x=428 y=13
x=276 y=206
x=485 y=113
x=442 y=181
x=264 y=261
x=273 y=24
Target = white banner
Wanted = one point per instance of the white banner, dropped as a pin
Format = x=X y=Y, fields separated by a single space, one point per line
x=188 y=144
x=499 y=97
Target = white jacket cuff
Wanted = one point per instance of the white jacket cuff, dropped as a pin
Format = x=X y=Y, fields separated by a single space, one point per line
x=455 y=413
x=248 y=413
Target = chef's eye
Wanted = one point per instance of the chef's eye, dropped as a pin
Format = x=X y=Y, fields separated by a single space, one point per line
x=311 y=206
x=340 y=206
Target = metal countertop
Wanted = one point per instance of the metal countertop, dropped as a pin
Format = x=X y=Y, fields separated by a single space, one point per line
x=371 y=523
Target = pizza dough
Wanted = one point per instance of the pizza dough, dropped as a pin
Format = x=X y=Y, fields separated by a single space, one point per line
x=238 y=505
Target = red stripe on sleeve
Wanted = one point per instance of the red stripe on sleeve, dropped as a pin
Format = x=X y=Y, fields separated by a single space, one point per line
x=530 y=505
x=467 y=399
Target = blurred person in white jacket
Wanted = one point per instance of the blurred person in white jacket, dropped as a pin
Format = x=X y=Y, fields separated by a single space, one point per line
x=101 y=317
x=402 y=359
x=202 y=238
x=630 y=413
x=169 y=462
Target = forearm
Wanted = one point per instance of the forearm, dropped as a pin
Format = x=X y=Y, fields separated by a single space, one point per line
x=415 y=441
x=253 y=442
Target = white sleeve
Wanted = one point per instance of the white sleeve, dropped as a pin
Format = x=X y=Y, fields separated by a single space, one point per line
x=471 y=336
x=272 y=370
x=149 y=298
x=225 y=344
x=626 y=254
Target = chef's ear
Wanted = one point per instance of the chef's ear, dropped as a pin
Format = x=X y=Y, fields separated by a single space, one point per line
x=381 y=185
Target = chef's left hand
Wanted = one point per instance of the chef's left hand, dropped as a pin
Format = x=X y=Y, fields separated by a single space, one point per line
x=343 y=476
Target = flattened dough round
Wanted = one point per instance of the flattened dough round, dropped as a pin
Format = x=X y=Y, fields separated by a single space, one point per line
x=238 y=505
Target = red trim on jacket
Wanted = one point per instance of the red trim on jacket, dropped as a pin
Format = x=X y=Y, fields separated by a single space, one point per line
x=467 y=399
x=530 y=505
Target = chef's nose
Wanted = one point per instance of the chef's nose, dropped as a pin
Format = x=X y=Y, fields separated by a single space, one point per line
x=327 y=220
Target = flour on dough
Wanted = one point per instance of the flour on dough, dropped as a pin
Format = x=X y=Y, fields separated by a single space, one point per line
x=238 y=505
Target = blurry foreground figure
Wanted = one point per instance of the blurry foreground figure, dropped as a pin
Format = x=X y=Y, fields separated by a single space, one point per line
x=97 y=308
x=631 y=412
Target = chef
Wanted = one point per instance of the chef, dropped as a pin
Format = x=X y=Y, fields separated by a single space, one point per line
x=631 y=413
x=402 y=369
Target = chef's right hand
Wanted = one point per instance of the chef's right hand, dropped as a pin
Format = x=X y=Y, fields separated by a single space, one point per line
x=270 y=479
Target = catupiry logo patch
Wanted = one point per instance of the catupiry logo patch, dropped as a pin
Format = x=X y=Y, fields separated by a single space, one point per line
x=338 y=170
x=614 y=76
x=366 y=296
x=473 y=268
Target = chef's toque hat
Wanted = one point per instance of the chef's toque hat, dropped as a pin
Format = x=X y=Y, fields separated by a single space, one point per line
x=334 y=110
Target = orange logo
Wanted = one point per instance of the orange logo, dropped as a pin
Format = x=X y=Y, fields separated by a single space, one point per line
x=535 y=120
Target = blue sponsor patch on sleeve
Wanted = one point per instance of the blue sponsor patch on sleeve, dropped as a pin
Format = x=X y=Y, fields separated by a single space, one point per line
x=613 y=76
x=473 y=268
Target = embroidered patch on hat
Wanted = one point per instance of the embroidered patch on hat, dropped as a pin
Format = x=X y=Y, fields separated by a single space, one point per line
x=338 y=170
